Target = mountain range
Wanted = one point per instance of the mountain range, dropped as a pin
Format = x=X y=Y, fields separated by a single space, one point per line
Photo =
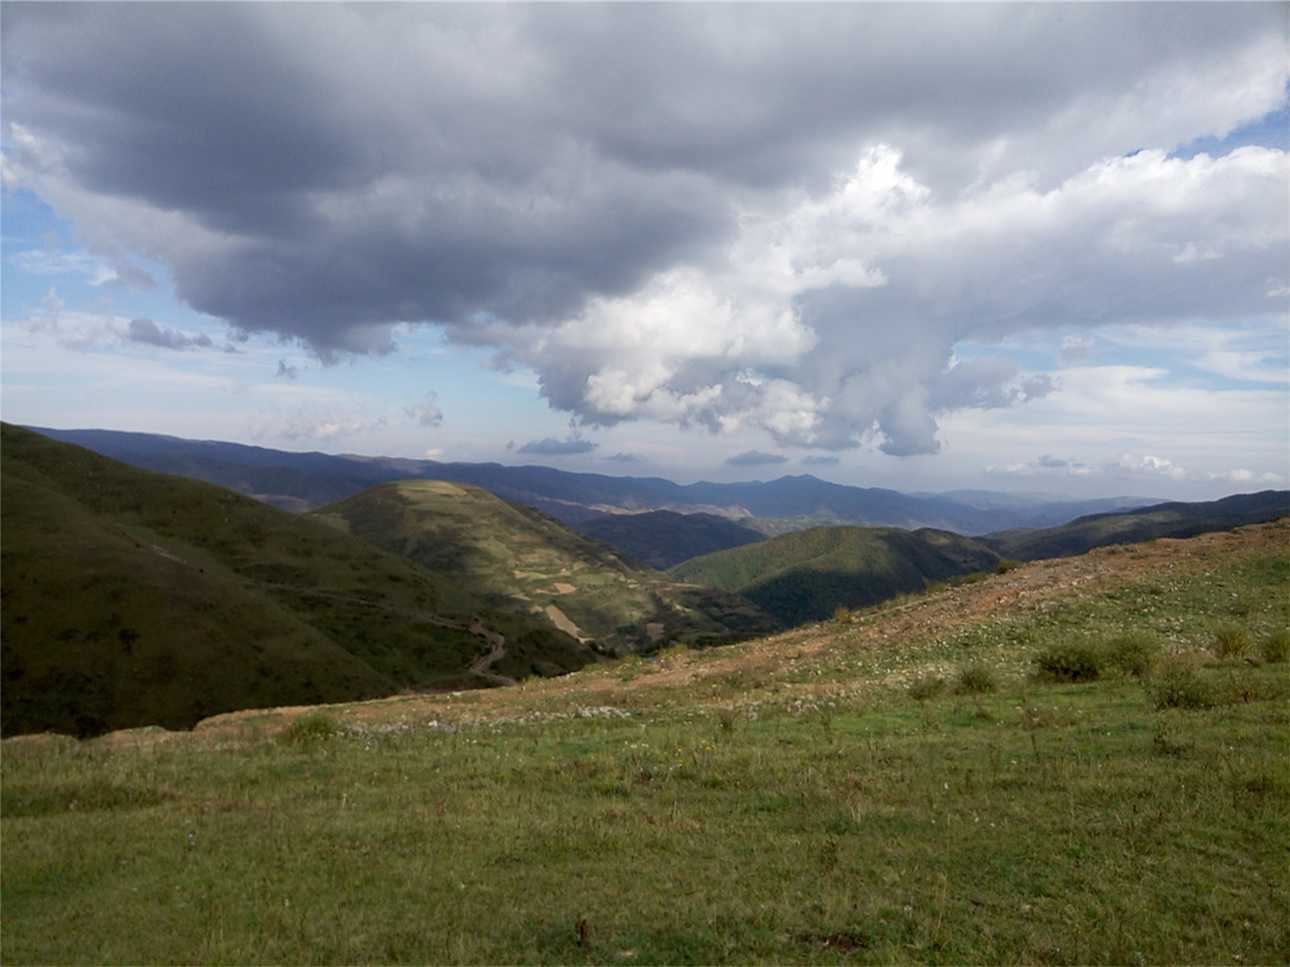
x=135 y=598
x=302 y=481
x=132 y=597
x=806 y=575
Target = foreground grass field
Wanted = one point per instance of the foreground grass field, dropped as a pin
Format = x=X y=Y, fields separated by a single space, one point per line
x=785 y=800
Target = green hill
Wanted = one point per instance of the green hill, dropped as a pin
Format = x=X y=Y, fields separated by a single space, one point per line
x=523 y=560
x=1128 y=527
x=132 y=598
x=806 y=575
x=664 y=538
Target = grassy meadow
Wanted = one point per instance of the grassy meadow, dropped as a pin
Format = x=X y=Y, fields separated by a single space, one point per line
x=1077 y=761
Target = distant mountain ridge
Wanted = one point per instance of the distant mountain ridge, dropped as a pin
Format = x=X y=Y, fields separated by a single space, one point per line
x=805 y=575
x=1177 y=519
x=300 y=481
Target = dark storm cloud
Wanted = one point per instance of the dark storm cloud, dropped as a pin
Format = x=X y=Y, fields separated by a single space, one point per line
x=551 y=447
x=755 y=458
x=148 y=332
x=325 y=172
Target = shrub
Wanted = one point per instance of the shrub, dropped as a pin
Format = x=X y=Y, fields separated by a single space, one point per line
x=1133 y=654
x=1179 y=685
x=1230 y=641
x=929 y=686
x=674 y=650
x=974 y=679
x=1006 y=565
x=1276 y=646
x=1071 y=662
x=309 y=729
x=842 y=614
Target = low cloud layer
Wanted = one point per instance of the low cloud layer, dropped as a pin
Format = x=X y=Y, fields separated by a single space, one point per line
x=148 y=332
x=756 y=458
x=1140 y=467
x=767 y=218
x=551 y=447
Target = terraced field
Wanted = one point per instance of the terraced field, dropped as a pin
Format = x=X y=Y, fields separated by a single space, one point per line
x=530 y=563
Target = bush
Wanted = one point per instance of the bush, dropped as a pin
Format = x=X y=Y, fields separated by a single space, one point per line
x=929 y=686
x=1006 y=565
x=1230 y=641
x=309 y=729
x=1180 y=686
x=1275 y=647
x=974 y=679
x=842 y=614
x=1133 y=654
x=1073 y=662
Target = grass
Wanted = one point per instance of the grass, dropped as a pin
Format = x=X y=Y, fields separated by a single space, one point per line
x=905 y=832
x=754 y=811
x=1071 y=662
x=975 y=679
x=1231 y=640
x=1275 y=646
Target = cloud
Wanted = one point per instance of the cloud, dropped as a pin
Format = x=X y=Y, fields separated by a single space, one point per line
x=723 y=231
x=551 y=447
x=322 y=428
x=1147 y=465
x=1075 y=349
x=820 y=460
x=847 y=358
x=426 y=411
x=755 y=458
x=48 y=262
x=89 y=331
x=1242 y=476
x=286 y=370
x=1045 y=465
x=148 y=332
x=621 y=457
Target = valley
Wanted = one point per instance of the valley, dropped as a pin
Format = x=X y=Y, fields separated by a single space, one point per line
x=118 y=584
x=519 y=559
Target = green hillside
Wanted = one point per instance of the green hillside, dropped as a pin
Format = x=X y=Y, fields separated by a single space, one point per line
x=527 y=562
x=806 y=575
x=664 y=538
x=1163 y=520
x=132 y=598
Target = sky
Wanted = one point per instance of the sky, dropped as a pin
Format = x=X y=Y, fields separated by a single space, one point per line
x=1040 y=248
